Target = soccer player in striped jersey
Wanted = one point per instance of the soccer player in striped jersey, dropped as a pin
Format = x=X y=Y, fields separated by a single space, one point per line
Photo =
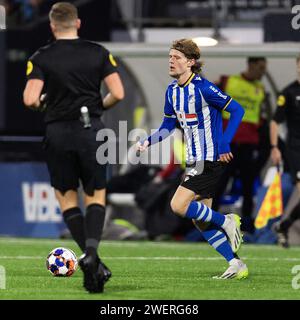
x=197 y=104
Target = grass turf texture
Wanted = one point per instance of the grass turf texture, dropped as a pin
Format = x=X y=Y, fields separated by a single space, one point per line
x=150 y=270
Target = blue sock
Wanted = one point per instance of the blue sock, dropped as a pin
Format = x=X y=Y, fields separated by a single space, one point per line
x=217 y=239
x=199 y=211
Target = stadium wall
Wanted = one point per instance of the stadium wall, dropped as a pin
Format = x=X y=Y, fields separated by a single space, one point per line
x=149 y=64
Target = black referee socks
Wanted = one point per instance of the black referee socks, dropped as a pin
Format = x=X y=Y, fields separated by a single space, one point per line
x=74 y=220
x=94 y=221
x=292 y=217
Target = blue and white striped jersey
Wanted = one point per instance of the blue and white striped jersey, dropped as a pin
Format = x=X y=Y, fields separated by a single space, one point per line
x=198 y=106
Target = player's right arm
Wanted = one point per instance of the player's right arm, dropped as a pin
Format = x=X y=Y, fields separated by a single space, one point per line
x=279 y=117
x=165 y=129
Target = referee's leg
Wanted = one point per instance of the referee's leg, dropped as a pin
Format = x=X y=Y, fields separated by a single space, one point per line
x=72 y=216
x=94 y=220
x=95 y=271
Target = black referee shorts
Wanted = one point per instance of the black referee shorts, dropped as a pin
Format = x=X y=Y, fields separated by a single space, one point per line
x=293 y=159
x=71 y=156
x=204 y=178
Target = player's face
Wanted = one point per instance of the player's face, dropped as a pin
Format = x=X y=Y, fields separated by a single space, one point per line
x=178 y=63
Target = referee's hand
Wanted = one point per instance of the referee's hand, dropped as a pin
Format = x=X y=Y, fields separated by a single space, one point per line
x=276 y=156
x=139 y=147
x=226 y=157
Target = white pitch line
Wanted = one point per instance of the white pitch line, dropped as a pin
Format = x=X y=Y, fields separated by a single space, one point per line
x=157 y=258
x=136 y=244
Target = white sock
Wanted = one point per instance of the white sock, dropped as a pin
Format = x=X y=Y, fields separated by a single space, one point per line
x=233 y=261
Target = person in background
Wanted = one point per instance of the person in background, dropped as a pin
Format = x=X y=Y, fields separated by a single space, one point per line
x=288 y=111
x=248 y=90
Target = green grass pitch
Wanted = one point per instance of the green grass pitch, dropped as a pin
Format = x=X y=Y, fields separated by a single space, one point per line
x=150 y=270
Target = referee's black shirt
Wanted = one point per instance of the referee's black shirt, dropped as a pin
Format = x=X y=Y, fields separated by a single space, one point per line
x=288 y=109
x=72 y=71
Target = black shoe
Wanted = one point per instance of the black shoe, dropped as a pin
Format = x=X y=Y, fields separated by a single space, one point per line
x=93 y=272
x=282 y=236
x=105 y=271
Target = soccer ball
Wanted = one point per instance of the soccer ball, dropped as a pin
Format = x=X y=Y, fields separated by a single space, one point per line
x=61 y=262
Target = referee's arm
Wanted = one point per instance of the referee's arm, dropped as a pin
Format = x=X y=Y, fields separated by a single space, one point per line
x=115 y=88
x=278 y=118
x=32 y=93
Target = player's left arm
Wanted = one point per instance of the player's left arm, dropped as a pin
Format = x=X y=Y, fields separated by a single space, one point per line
x=112 y=80
x=35 y=83
x=278 y=118
x=221 y=101
x=116 y=90
x=236 y=115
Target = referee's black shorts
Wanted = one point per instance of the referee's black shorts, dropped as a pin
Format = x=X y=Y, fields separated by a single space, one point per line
x=71 y=156
x=293 y=159
x=203 y=178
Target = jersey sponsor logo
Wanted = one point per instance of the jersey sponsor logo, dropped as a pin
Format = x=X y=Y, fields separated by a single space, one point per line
x=215 y=90
x=187 y=119
x=40 y=204
x=281 y=101
x=29 y=68
x=112 y=60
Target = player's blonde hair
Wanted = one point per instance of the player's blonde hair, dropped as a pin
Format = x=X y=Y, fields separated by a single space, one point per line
x=190 y=49
x=63 y=15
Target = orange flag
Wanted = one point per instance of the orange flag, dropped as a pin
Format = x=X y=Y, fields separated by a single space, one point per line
x=271 y=206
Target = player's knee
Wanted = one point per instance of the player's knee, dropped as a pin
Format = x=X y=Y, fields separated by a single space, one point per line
x=178 y=207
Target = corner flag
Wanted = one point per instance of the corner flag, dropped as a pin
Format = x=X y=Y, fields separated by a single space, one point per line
x=272 y=205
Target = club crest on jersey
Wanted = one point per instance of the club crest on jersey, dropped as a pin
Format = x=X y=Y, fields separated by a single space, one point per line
x=192 y=98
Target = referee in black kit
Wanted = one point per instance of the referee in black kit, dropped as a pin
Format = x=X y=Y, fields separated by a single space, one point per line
x=68 y=73
x=288 y=110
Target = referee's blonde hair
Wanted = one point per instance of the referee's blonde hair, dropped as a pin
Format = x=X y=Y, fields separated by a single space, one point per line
x=63 y=15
